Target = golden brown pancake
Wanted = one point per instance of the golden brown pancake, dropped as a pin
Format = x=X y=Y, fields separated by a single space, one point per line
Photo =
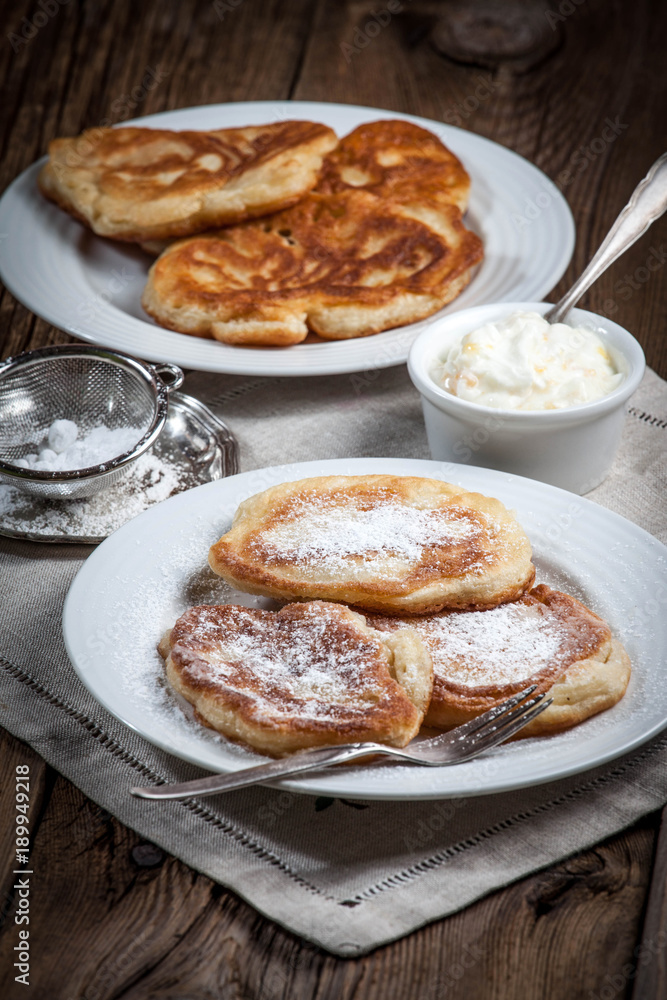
x=393 y=159
x=380 y=242
x=397 y=544
x=142 y=184
x=546 y=638
x=308 y=675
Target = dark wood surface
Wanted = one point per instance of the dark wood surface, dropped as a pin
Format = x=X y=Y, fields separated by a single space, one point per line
x=553 y=74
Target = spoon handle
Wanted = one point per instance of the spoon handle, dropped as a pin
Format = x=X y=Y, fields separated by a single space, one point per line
x=648 y=202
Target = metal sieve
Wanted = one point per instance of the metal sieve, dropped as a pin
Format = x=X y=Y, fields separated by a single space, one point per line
x=91 y=386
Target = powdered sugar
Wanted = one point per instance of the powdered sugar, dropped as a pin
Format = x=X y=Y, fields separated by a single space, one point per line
x=387 y=536
x=500 y=646
x=306 y=663
x=64 y=450
x=148 y=481
x=138 y=584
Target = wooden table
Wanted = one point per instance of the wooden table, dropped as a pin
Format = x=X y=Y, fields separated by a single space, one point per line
x=576 y=86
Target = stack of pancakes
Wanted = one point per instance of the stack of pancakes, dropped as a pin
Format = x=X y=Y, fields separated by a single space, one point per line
x=416 y=605
x=280 y=229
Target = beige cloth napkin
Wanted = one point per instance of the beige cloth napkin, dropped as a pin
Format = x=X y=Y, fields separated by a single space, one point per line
x=346 y=876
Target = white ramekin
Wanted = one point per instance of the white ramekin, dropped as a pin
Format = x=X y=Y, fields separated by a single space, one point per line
x=572 y=448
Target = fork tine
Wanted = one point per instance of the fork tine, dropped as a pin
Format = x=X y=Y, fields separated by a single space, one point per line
x=493 y=725
x=504 y=732
x=468 y=728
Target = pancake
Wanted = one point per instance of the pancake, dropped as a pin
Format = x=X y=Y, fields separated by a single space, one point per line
x=308 y=675
x=141 y=184
x=385 y=158
x=545 y=638
x=385 y=543
x=380 y=242
x=393 y=159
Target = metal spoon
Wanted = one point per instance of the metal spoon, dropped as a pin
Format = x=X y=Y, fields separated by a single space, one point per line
x=648 y=202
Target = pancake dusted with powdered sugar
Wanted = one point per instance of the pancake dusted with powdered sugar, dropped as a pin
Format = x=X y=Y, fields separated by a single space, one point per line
x=309 y=675
x=546 y=638
x=396 y=544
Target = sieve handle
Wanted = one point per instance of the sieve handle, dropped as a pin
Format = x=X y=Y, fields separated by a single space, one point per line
x=170 y=375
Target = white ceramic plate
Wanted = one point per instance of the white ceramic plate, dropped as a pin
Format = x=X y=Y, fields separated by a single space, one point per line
x=144 y=576
x=92 y=287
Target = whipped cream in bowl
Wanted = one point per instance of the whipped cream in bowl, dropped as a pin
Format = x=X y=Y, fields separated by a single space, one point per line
x=522 y=362
x=503 y=388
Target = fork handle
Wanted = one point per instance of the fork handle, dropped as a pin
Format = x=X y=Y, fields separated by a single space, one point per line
x=305 y=760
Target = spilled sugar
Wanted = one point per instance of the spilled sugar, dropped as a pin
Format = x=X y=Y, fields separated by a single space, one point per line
x=149 y=480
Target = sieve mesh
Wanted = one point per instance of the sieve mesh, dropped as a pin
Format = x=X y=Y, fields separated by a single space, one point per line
x=88 y=389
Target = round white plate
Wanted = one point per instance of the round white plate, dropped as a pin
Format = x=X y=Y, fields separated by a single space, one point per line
x=92 y=287
x=147 y=573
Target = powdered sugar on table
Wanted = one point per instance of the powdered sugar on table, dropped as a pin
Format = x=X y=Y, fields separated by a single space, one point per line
x=148 y=481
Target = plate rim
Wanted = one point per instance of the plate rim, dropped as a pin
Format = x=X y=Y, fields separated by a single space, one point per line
x=311 y=785
x=299 y=368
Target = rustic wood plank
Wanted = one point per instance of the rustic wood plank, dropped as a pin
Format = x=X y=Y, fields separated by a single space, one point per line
x=555 y=115
x=106 y=924
x=98 y=918
x=649 y=959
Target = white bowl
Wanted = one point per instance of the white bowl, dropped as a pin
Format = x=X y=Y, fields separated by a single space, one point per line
x=572 y=448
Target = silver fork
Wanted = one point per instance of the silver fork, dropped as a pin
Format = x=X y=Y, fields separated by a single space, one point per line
x=455 y=747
